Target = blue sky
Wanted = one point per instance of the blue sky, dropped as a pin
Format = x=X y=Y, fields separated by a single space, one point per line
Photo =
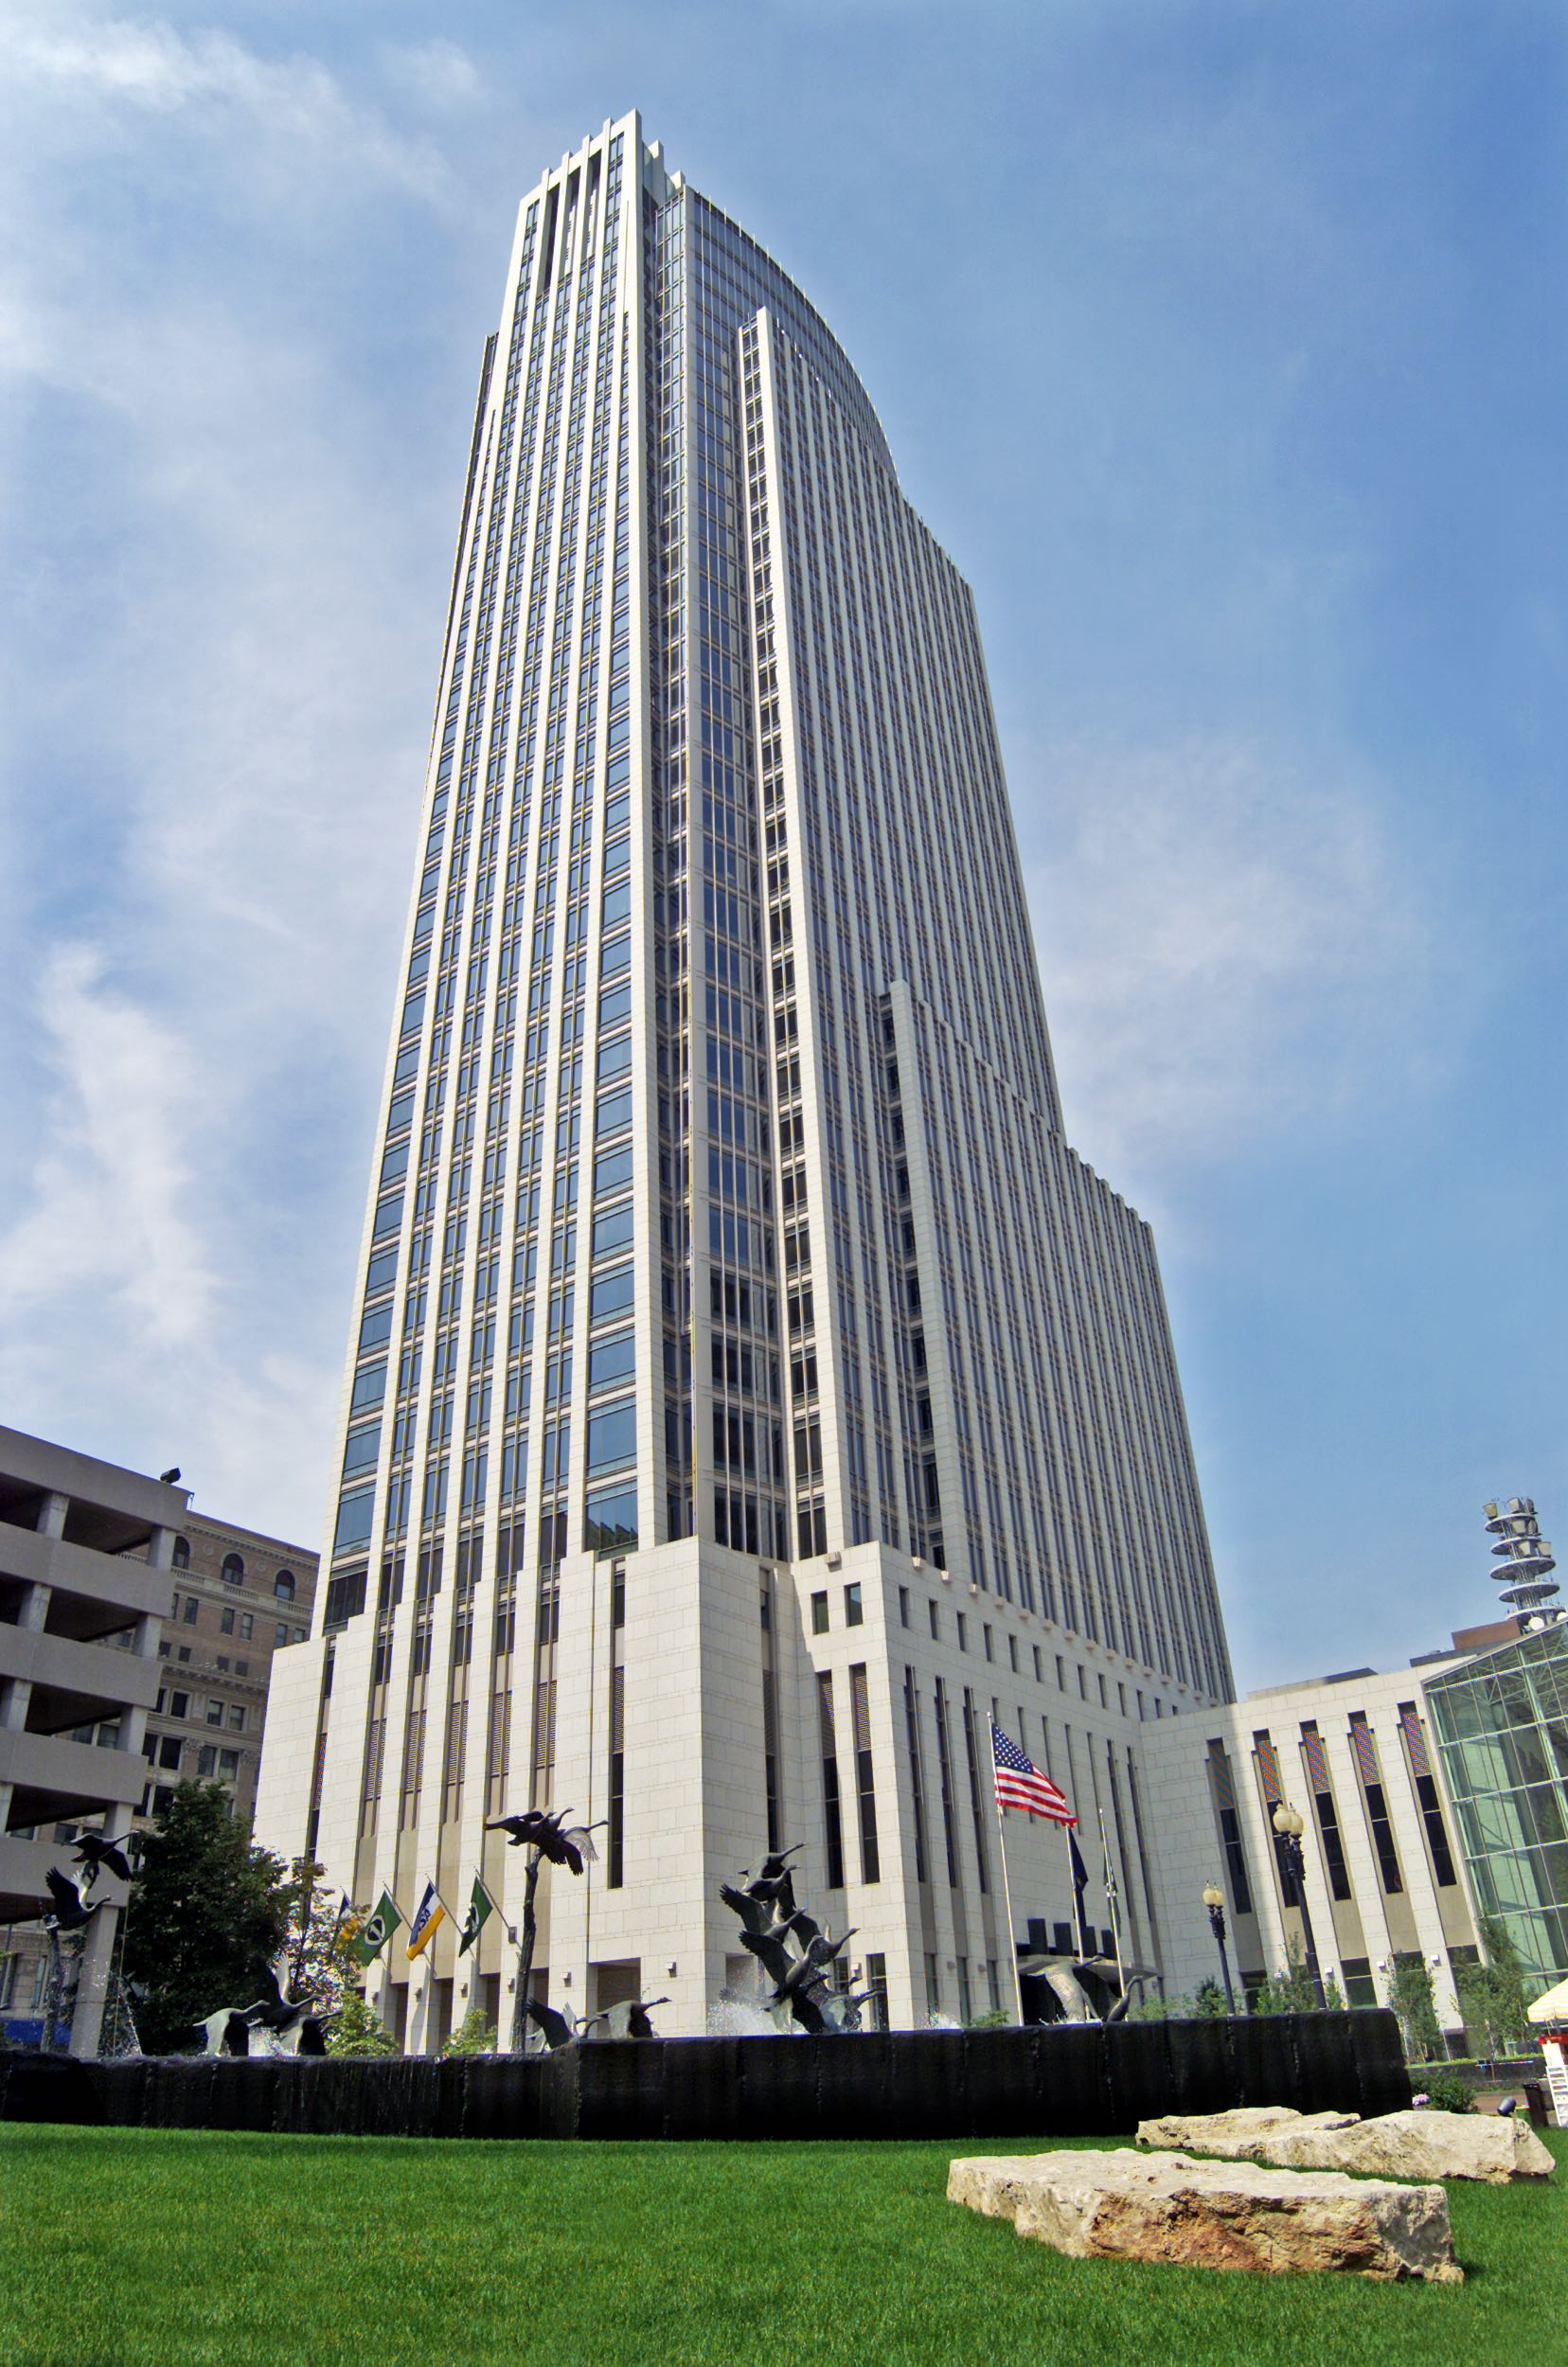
x=1223 y=347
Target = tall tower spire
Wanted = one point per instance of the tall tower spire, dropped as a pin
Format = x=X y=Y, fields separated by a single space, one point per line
x=750 y=1392
x=1525 y=1559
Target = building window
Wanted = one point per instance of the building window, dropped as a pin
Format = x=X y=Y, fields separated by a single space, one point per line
x=860 y=1718
x=169 y=1750
x=854 y=1611
x=227 y=1623
x=1356 y=1976
x=228 y=1765
x=234 y=1570
x=935 y=1623
x=247 y=1626
x=207 y=1761
x=903 y=1606
x=280 y=1634
x=190 y=1609
x=1364 y=1750
x=237 y=1717
x=215 y=1712
x=1316 y=1762
x=1426 y=1793
x=832 y=1819
x=182 y=1553
x=819 y=1614
x=1222 y=1788
x=283 y=1586
x=179 y=1704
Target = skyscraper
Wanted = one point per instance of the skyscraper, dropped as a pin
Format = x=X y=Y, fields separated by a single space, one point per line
x=750 y=1393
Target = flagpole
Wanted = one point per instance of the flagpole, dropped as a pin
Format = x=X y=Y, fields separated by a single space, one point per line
x=1111 y=1896
x=1007 y=1889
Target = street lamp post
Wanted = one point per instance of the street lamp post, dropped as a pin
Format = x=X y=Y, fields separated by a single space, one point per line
x=1289 y=1825
x=1214 y=1900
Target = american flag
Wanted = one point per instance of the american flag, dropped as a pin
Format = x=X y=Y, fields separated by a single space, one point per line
x=1021 y=1785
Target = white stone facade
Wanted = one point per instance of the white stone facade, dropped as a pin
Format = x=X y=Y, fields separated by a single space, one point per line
x=1396 y=1883
x=723 y=1247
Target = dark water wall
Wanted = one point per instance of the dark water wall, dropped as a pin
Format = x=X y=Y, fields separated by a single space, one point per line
x=1065 y=2081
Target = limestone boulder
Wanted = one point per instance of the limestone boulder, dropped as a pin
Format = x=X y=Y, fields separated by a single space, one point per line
x=1213 y=2214
x=1421 y=2145
x=1246 y=2134
x=1491 y=2146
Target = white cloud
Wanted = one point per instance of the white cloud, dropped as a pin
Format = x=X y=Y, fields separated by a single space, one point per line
x=109 y=1214
x=78 y=53
x=437 y=74
x=226 y=588
x=1232 y=948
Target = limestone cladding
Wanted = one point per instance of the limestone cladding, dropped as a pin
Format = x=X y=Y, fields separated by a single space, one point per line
x=695 y=1792
x=1383 y=1873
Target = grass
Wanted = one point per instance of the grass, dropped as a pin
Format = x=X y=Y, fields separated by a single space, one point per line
x=130 y=2248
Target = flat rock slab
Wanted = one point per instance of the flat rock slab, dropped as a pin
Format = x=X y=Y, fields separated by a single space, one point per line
x=1422 y=2145
x=1243 y=2135
x=1213 y=2214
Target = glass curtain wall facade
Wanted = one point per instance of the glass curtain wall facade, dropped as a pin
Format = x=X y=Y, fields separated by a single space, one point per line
x=1501 y=1728
x=746 y=1372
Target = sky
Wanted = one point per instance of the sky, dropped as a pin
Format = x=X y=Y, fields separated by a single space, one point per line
x=1222 y=344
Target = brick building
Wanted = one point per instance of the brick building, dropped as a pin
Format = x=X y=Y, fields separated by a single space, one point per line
x=239 y=1599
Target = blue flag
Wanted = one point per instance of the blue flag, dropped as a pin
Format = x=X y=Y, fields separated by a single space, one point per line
x=1080 y=1883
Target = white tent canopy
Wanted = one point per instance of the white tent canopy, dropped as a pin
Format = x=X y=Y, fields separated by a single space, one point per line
x=1552 y=2006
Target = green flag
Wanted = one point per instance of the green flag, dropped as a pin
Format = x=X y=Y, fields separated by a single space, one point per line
x=481 y=1908
x=369 y=1941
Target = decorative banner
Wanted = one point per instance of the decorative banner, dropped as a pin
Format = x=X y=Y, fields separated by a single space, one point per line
x=372 y=1936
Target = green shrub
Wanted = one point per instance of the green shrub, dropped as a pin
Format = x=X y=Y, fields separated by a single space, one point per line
x=357 y=2030
x=1446 y=2092
x=474 y=2035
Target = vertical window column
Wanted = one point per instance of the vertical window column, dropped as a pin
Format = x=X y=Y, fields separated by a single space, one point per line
x=831 y=1808
x=860 y=1718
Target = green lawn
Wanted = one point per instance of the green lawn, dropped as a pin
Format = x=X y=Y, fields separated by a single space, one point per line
x=124 y=2248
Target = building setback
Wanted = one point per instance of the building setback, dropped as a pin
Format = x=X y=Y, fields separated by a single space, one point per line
x=750 y=1393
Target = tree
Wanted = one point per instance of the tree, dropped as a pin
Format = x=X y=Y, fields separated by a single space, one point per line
x=1493 y=1996
x=1290 y=1990
x=474 y=2035
x=319 y=1948
x=1410 y=1994
x=207 y=1915
x=358 y=2031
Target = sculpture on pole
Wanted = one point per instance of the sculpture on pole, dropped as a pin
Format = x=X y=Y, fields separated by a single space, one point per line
x=545 y=1835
